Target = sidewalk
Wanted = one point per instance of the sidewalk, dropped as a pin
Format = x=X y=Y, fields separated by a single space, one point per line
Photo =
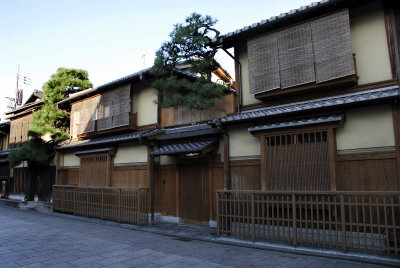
x=188 y=232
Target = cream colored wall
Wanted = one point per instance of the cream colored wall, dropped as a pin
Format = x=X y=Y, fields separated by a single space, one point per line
x=367 y=127
x=69 y=160
x=167 y=160
x=248 y=98
x=130 y=154
x=144 y=105
x=369 y=42
x=242 y=143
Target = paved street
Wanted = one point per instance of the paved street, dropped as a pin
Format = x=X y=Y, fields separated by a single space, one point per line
x=38 y=240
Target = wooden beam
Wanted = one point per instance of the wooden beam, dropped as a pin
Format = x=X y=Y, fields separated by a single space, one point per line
x=263 y=165
x=332 y=154
x=227 y=175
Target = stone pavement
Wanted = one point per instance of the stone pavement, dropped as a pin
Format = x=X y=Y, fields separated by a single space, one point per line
x=30 y=239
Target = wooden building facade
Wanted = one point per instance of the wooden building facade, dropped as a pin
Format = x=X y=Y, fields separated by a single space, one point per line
x=315 y=108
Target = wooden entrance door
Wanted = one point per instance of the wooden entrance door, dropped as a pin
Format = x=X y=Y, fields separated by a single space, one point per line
x=193 y=188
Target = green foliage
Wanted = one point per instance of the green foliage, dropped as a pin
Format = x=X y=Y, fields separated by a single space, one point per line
x=33 y=150
x=50 y=119
x=190 y=44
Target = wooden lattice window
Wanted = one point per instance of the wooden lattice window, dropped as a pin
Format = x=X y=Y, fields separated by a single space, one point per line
x=311 y=52
x=297 y=161
x=108 y=110
x=95 y=170
x=19 y=130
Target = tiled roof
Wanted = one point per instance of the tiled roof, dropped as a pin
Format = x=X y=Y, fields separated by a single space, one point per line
x=4 y=153
x=339 y=100
x=185 y=147
x=298 y=122
x=124 y=79
x=189 y=131
x=94 y=151
x=134 y=136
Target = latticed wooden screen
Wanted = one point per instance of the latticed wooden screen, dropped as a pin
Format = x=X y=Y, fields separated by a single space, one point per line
x=332 y=46
x=93 y=170
x=316 y=51
x=297 y=161
x=19 y=130
x=109 y=109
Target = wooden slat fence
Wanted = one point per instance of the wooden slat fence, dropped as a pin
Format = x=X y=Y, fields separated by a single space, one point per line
x=110 y=203
x=361 y=221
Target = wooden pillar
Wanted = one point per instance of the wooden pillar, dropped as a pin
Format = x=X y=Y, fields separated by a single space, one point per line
x=396 y=127
x=227 y=170
x=332 y=157
x=263 y=165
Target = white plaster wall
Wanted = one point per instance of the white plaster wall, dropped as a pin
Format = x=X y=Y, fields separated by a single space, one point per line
x=242 y=143
x=144 y=104
x=369 y=42
x=367 y=127
x=248 y=98
x=128 y=154
x=69 y=160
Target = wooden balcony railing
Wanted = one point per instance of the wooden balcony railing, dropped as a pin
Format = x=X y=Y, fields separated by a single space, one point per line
x=361 y=221
x=118 y=204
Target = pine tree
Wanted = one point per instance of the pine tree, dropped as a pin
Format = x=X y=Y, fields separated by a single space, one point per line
x=49 y=119
x=190 y=44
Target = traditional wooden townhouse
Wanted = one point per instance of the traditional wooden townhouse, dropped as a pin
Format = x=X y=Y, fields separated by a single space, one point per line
x=20 y=120
x=4 y=169
x=318 y=115
x=305 y=151
x=127 y=155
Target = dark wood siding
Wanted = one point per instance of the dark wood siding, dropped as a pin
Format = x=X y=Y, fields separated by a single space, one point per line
x=132 y=176
x=371 y=171
x=245 y=175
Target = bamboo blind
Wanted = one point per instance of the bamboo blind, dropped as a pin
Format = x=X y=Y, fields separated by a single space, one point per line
x=357 y=221
x=314 y=51
x=297 y=161
x=332 y=47
x=264 y=63
x=296 y=61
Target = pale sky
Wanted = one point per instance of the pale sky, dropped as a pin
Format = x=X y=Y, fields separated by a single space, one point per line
x=108 y=38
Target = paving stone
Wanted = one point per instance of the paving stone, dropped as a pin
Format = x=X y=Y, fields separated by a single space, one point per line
x=38 y=240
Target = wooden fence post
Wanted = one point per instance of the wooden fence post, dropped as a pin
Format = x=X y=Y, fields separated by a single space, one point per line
x=119 y=204
x=253 y=222
x=217 y=208
x=87 y=202
x=74 y=200
x=294 y=220
x=342 y=216
x=62 y=200
x=102 y=203
x=138 y=208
